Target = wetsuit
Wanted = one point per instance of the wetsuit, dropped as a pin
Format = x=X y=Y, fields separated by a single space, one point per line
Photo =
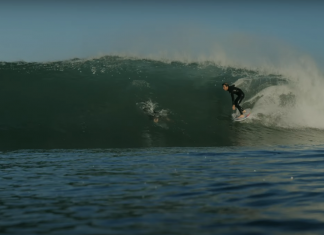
x=240 y=96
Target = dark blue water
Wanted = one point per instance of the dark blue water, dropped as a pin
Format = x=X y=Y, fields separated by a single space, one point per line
x=277 y=190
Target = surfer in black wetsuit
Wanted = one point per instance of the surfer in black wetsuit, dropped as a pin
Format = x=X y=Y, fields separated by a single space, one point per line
x=240 y=96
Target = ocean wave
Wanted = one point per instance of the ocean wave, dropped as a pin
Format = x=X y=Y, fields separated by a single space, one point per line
x=109 y=101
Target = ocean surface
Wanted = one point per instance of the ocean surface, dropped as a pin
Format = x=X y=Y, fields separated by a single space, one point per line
x=163 y=191
x=126 y=145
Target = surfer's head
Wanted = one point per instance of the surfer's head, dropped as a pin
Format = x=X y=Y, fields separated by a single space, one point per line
x=154 y=118
x=225 y=86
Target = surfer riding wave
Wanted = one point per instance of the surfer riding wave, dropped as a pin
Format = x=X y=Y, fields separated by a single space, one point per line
x=240 y=96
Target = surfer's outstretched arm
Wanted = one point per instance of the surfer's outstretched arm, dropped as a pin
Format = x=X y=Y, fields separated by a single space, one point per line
x=233 y=102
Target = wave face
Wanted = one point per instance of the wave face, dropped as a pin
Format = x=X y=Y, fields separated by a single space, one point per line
x=130 y=102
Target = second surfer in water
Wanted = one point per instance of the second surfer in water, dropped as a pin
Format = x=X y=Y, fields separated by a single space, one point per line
x=240 y=96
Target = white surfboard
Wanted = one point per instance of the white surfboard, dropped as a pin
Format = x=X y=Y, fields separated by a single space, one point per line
x=246 y=115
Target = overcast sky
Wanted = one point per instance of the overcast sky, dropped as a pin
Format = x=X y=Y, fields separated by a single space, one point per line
x=48 y=30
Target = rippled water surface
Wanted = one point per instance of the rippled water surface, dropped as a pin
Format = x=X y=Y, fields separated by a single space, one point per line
x=163 y=191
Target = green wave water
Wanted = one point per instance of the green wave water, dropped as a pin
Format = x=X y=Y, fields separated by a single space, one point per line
x=111 y=102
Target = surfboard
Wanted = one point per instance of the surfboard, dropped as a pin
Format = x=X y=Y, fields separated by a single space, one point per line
x=246 y=115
